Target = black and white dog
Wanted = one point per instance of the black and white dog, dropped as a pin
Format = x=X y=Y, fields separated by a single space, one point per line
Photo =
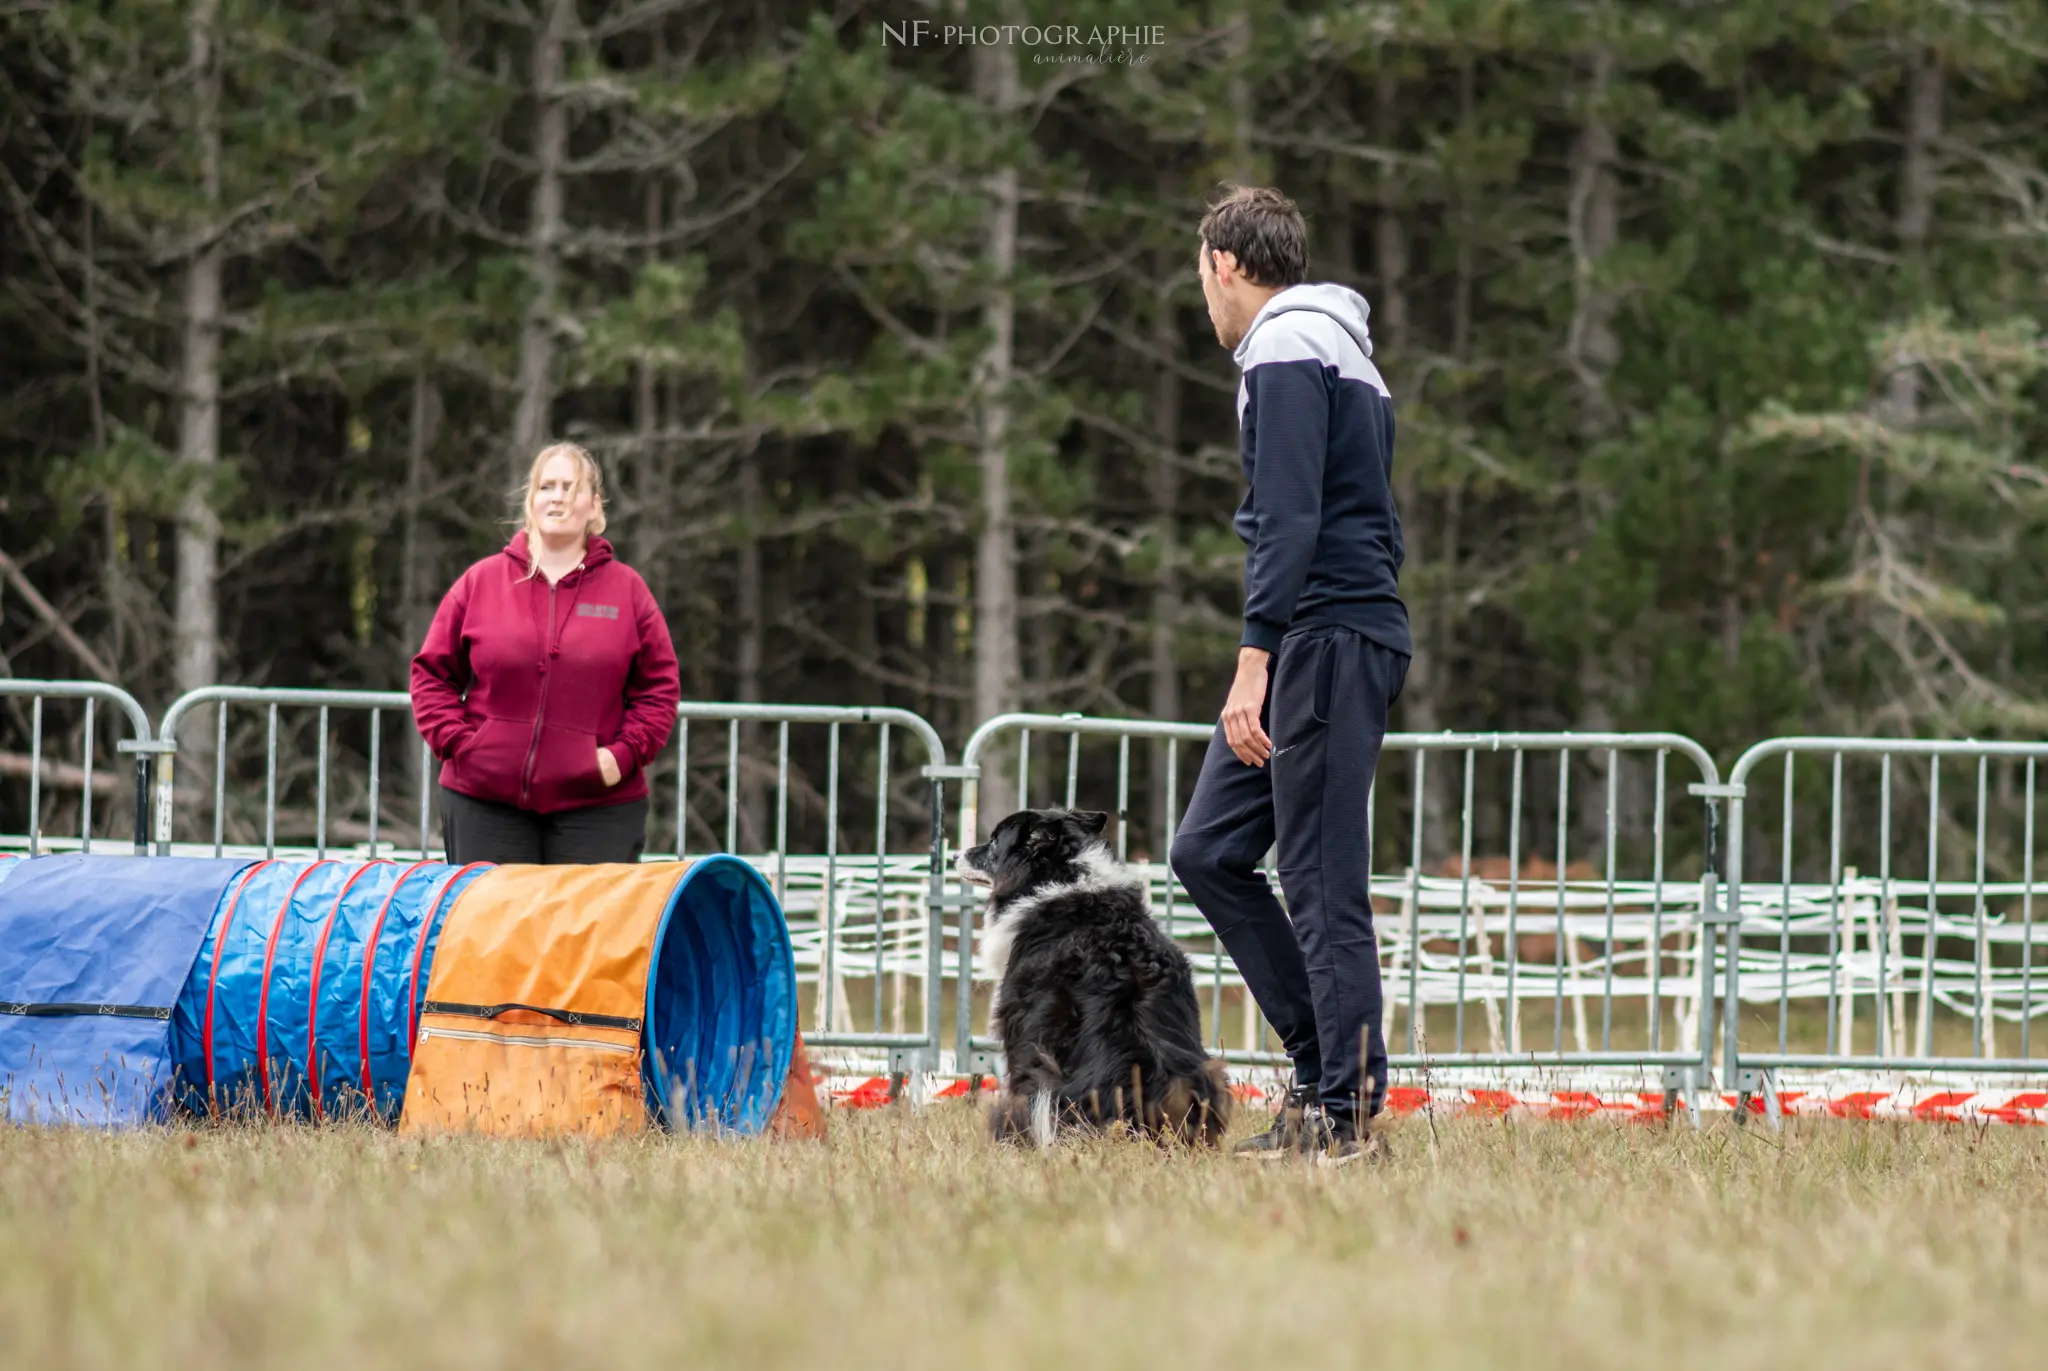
x=1094 y=1005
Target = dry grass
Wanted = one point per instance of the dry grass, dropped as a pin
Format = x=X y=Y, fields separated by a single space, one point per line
x=905 y=1241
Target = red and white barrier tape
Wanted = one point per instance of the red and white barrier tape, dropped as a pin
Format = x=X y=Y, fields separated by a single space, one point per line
x=1973 y=1103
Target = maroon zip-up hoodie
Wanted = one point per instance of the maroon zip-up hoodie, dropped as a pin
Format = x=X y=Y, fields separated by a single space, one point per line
x=520 y=682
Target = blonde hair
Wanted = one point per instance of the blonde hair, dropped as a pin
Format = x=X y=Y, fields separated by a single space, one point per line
x=590 y=471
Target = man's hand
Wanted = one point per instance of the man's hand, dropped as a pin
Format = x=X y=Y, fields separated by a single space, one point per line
x=1241 y=728
x=608 y=766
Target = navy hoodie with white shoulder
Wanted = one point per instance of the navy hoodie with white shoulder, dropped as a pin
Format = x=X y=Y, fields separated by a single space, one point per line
x=1316 y=430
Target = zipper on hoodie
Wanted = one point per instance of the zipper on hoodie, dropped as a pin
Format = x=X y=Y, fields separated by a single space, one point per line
x=550 y=642
x=540 y=712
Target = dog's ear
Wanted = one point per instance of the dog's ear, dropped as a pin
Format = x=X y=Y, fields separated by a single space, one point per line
x=1092 y=821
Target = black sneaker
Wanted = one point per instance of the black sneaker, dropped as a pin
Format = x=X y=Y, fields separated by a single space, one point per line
x=1283 y=1139
x=1333 y=1140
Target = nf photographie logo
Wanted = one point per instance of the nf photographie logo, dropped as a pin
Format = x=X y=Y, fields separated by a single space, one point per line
x=1119 y=45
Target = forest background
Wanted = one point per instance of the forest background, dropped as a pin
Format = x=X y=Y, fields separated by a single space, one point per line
x=1712 y=329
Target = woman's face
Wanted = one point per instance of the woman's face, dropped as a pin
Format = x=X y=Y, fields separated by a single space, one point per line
x=562 y=504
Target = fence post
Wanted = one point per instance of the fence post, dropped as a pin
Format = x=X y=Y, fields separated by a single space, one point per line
x=935 y=981
x=146 y=751
x=1736 y=793
x=1731 y=914
x=1720 y=932
x=967 y=773
x=165 y=798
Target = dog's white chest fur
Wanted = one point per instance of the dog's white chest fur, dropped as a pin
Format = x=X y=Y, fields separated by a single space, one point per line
x=1099 y=871
x=996 y=941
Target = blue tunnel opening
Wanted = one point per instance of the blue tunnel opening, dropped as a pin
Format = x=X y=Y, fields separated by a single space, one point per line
x=721 y=1002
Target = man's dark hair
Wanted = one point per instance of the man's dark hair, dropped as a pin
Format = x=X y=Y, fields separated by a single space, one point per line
x=1263 y=229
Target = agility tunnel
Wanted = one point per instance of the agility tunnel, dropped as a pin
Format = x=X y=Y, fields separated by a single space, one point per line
x=496 y=999
x=94 y=954
x=607 y=999
x=306 y=989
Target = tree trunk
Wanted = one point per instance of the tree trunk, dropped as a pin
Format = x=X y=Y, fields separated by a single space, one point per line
x=1595 y=218
x=1039 y=628
x=646 y=389
x=1166 y=590
x=420 y=586
x=196 y=621
x=942 y=656
x=1421 y=704
x=1916 y=208
x=747 y=658
x=1593 y=350
x=1240 y=168
x=860 y=572
x=419 y=566
x=1238 y=44
x=113 y=581
x=1915 y=222
x=531 y=423
x=1461 y=291
x=1438 y=609
x=995 y=600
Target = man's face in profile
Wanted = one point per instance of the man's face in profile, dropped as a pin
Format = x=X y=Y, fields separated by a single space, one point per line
x=1223 y=314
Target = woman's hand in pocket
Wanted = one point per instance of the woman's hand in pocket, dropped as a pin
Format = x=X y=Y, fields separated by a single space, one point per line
x=608 y=767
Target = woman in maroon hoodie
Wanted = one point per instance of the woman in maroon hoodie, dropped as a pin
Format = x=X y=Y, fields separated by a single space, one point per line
x=546 y=685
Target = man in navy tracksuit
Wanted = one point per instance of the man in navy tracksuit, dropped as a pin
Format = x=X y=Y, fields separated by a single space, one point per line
x=1324 y=654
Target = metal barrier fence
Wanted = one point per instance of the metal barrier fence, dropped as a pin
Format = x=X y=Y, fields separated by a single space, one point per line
x=373 y=704
x=1553 y=903
x=38 y=767
x=1632 y=950
x=875 y=913
x=1897 y=952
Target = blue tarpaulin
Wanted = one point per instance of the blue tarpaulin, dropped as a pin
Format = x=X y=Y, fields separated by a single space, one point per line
x=94 y=952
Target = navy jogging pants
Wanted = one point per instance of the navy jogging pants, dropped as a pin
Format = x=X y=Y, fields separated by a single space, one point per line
x=1313 y=967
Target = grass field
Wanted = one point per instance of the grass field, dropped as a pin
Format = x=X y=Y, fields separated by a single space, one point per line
x=906 y=1241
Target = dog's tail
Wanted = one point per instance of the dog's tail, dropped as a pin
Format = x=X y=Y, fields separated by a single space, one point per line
x=1032 y=1113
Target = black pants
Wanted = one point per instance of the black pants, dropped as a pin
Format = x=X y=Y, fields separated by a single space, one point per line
x=485 y=831
x=1314 y=967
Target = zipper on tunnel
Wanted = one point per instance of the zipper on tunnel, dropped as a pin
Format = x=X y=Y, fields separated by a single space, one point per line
x=523 y=1040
